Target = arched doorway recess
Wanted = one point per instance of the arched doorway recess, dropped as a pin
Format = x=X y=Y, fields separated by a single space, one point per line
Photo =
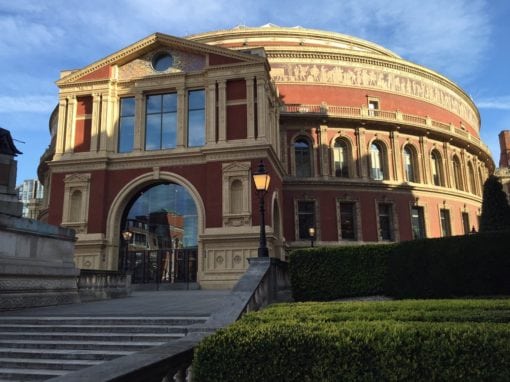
x=154 y=226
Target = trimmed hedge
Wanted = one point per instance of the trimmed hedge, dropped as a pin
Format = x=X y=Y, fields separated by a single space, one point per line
x=477 y=310
x=277 y=349
x=472 y=265
x=329 y=273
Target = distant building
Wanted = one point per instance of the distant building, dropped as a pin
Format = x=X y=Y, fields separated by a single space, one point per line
x=31 y=194
x=362 y=146
x=503 y=171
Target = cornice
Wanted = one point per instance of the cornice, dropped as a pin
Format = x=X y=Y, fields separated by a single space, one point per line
x=287 y=32
x=364 y=185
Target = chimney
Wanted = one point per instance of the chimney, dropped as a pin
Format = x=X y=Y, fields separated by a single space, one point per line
x=504 y=144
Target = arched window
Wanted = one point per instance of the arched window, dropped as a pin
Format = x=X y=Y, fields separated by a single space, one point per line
x=75 y=210
x=457 y=174
x=236 y=197
x=377 y=161
x=302 y=157
x=410 y=164
x=341 y=155
x=472 y=180
x=437 y=168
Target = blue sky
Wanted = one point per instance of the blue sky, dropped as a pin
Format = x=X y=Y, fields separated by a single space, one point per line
x=465 y=40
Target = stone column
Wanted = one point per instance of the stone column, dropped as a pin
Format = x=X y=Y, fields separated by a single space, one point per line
x=250 y=108
x=222 y=111
x=139 y=133
x=210 y=107
x=261 y=107
x=182 y=118
x=95 y=133
x=62 y=127
x=70 y=124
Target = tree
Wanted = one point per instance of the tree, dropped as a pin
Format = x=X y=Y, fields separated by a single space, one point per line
x=495 y=208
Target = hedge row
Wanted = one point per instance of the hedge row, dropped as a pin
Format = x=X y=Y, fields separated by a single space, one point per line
x=481 y=310
x=329 y=273
x=473 y=265
x=357 y=350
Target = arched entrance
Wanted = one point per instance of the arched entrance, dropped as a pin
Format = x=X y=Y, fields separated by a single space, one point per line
x=159 y=232
x=129 y=203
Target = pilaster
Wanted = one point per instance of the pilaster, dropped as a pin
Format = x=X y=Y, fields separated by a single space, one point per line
x=62 y=127
x=361 y=153
x=139 y=136
x=250 y=105
x=182 y=118
x=210 y=107
x=222 y=111
x=70 y=124
x=261 y=107
x=95 y=133
x=324 y=164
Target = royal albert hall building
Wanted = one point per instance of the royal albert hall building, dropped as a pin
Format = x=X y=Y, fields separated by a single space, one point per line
x=154 y=146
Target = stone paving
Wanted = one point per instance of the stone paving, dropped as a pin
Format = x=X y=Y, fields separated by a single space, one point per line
x=140 y=303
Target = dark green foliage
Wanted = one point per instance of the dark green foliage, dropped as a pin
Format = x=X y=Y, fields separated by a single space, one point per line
x=472 y=265
x=495 y=208
x=330 y=273
x=314 y=342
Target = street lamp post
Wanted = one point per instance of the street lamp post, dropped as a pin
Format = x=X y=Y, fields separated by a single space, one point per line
x=126 y=235
x=311 y=233
x=261 y=180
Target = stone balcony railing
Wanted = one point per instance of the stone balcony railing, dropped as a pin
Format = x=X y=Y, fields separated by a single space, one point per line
x=384 y=116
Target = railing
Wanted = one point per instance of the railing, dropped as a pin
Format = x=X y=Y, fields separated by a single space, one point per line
x=98 y=285
x=172 y=361
x=363 y=112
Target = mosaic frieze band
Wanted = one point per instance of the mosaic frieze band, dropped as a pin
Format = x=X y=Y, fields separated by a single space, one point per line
x=376 y=79
x=182 y=62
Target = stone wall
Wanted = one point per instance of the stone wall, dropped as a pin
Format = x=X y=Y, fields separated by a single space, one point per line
x=36 y=264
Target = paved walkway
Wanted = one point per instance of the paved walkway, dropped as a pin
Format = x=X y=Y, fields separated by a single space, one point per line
x=140 y=303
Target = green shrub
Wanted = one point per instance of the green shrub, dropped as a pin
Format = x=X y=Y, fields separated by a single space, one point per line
x=468 y=310
x=470 y=265
x=330 y=273
x=282 y=349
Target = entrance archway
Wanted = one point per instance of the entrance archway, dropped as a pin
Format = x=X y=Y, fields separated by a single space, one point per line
x=159 y=228
x=162 y=213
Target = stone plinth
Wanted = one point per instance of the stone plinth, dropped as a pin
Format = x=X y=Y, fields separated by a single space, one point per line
x=36 y=264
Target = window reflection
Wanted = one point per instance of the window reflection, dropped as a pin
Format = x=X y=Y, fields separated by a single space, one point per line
x=163 y=216
x=196 y=118
x=161 y=121
x=126 y=124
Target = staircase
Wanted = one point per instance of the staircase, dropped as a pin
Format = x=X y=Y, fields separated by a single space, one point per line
x=40 y=348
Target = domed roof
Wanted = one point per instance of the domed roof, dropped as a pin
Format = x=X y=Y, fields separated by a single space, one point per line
x=271 y=37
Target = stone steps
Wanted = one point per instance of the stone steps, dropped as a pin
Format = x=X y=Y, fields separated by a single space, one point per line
x=40 y=348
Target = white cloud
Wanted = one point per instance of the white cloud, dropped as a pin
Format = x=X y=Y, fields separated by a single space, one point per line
x=501 y=103
x=28 y=104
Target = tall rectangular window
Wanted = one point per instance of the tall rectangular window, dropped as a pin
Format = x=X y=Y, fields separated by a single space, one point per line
x=418 y=222
x=126 y=124
x=306 y=218
x=196 y=118
x=465 y=223
x=161 y=121
x=347 y=221
x=446 y=229
x=385 y=222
